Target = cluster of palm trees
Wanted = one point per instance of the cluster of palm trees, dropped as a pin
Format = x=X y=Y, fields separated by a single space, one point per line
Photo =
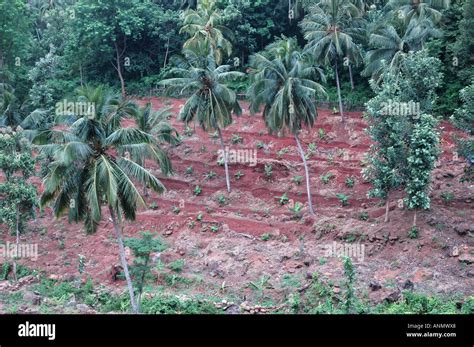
x=340 y=30
x=284 y=78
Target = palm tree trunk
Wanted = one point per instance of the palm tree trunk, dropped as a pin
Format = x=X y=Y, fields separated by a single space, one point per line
x=308 y=187
x=414 y=218
x=341 y=111
x=227 y=179
x=17 y=242
x=123 y=260
x=167 y=52
x=387 y=207
x=351 y=77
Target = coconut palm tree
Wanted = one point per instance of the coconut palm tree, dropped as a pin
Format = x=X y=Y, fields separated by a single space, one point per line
x=211 y=101
x=206 y=33
x=390 y=44
x=286 y=88
x=91 y=168
x=329 y=29
x=155 y=123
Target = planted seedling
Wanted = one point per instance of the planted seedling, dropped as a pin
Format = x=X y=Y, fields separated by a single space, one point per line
x=447 y=197
x=268 y=170
x=343 y=198
x=327 y=177
x=210 y=175
x=188 y=131
x=297 y=180
x=296 y=208
x=282 y=151
x=282 y=200
x=413 y=232
x=321 y=133
x=236 y=139
x=363 y=216
x=221 y=200
x=197 y=191
x=238 y=175
x=350 y=182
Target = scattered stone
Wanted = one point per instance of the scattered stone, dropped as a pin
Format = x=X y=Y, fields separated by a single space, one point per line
x=374 y=285
x=83 y=308
x=455 y=252
x=168 y=232
x=4 y=284
x=72 y=302
x=27 y=279
x=32 y=298
x=393 y=296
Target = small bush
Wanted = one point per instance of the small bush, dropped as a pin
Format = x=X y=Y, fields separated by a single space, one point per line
x=363 y=216
x=297 y=180
x=177 y=265
x=413 y=232
x=327 y=177
x=268 y=170
x=197 y=191
x=343 y=198
x=350 y=182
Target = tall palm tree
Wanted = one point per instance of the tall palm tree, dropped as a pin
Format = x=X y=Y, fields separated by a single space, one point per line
x=329 y=29
x=89 y=169
x=285 y=86
x=203 y=25
x=155 y=123
x=211 y=101
x=390 y=44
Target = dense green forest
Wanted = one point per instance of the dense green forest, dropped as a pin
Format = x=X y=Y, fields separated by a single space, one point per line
x=48 y=48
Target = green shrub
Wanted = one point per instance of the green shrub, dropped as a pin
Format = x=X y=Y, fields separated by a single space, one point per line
x=413 y=232
x=343 y=198
x=177 y=265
